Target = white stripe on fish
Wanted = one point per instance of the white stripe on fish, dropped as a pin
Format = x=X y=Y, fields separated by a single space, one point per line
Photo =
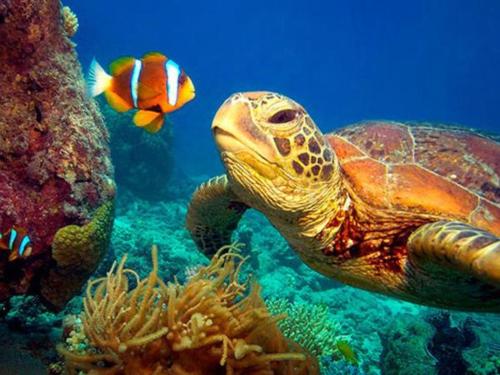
x=24 y=243
x=12 y=239
x=134 y=81
x=173 y=73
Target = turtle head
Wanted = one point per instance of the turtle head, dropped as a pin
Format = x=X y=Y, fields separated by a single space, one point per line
x=275 y=156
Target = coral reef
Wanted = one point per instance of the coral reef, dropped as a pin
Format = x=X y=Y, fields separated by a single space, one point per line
x=28 y=334
x=369 y=321
x=314 y=329
x=26 y=314
x=159 y=328
x=329 y=366
x=448 y=343
x=483 y=356
x=405 y=347
x=143 y=224
x=309 y=325
x=359 y=315
x=55 y=169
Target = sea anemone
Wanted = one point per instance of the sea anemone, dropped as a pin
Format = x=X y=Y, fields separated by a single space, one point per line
x=213 y=324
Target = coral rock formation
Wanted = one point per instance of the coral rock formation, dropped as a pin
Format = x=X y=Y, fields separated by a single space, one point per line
x=55 y=168
x=405 y=348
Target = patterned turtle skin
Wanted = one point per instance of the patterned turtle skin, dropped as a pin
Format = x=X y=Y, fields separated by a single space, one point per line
x=409 y=211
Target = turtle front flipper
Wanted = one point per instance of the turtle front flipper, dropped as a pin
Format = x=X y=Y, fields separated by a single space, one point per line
x=464 y=258
x=213 y=215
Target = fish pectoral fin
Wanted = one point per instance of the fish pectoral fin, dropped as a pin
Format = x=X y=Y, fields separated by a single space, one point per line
x=13 y=256
x=116 y=102
x=143 y=118
x=156 y=125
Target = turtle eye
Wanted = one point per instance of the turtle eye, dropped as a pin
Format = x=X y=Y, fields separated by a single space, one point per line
x=283 y=116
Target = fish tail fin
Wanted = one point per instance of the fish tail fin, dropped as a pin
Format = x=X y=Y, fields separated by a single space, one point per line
x=98 y=80
x=150 y=120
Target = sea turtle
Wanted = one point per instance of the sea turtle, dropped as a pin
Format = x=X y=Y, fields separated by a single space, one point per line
x=410 y=211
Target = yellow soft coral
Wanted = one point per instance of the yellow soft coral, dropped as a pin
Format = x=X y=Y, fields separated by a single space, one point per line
x=210 y=325
x=77 y=251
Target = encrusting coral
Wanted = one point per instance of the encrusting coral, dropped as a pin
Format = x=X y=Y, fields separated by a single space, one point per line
x=213 y=324
x=77 y=251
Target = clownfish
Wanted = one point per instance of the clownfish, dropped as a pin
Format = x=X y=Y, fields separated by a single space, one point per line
x=17 y=242
x=155 y=85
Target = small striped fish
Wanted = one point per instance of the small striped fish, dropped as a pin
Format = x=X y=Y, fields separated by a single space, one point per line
x=16 y=242
x=155 y=85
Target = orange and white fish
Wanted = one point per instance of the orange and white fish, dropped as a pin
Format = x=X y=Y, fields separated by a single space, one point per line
x=16 y=242
x=155 y=85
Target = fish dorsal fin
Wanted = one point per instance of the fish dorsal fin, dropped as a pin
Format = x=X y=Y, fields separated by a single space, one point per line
x=154 y=56
x=143 y=118
x=120 y=65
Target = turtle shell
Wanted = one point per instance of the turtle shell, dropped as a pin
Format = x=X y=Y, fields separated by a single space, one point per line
x=447 y=172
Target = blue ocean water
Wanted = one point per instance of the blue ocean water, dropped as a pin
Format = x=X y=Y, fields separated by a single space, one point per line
x=344 y=61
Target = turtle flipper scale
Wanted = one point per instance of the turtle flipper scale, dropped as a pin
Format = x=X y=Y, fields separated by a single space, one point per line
x=457 y=245
x=213 y=215
x=454 y=265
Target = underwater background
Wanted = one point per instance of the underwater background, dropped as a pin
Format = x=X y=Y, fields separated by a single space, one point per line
x=425 y=60
x=431 y=61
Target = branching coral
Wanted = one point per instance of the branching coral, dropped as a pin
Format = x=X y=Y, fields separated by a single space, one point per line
x=70 y=21
x=311 y=327
x=308 y=325
x=211 y=325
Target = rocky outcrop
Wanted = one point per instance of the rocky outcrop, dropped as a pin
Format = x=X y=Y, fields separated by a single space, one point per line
x=55 y=169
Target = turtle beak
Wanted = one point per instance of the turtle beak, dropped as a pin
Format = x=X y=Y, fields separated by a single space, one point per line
x=235 y=131
x=225 y=126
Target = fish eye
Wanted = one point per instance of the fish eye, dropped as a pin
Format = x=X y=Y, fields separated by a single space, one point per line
x=284 y=116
